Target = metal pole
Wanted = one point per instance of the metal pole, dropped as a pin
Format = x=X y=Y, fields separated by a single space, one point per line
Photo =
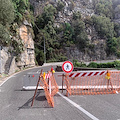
x=0 y=61
x=44 y=52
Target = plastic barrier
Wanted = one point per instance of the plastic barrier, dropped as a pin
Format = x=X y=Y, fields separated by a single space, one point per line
x=47 y=81
x=86 y=83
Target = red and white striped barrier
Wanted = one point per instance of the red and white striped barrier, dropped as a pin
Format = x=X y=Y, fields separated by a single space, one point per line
x=48 y=75
x=84 y=74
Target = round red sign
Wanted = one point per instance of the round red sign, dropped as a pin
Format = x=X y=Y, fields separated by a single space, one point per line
x=67 y=67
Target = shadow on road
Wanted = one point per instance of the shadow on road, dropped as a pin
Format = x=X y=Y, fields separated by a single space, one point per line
x=39 y=102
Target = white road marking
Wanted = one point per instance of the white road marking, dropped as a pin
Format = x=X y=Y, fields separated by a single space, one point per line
x=79 y=108
x=6 y=80
x=38 y=71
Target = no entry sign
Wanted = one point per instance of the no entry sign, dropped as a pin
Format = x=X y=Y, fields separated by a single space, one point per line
x=67 y=66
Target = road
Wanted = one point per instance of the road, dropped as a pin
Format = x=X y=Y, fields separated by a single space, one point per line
x=15 y=103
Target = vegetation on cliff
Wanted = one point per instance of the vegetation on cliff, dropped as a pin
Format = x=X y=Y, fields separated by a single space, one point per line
x=65 y=34
x=74 y=32
x=12 y=14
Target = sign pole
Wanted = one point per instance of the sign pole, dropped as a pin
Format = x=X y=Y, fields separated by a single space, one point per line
x=44 y=51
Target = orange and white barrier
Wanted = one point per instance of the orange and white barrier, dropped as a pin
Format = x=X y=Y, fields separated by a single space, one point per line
x=99 y=82
x=84 y=74
x=48 y=82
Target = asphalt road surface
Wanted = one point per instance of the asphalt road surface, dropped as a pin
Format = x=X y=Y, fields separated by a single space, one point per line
x=15 y=103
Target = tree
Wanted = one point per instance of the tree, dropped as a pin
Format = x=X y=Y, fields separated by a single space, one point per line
x=112 y=45
x=6 y=12
x=20 y=7
x=47 y=16
x=104 y=8
x=6 y=18
x=67 y=34
x=76 y=15
x=60 y=6
x=4 y=36
x=103 y=26
x=46 y=31
x=80 y=35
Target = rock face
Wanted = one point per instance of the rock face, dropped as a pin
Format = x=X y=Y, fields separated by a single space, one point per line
x=8 y=63
x=28 y=56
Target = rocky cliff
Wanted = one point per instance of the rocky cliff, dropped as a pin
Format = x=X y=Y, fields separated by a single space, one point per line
x=86 y=8
x=26 y=59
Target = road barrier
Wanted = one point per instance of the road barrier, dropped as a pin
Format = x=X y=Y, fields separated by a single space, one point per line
x=94 y=83
x=77 y=83
x=47 y=81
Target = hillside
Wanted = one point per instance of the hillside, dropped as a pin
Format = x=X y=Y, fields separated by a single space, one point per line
x=35 y=31
x=85 y=30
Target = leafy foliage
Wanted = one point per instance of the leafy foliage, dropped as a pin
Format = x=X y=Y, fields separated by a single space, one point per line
x=78 y=64
x=60 y=6
x=7 y=12
x=115 y=64
x=80 y=35
x=93 y=65
x=45 y=32
x=63 y=34
x=20 y=7
x=67 y=35
x=6 y=18
x=112 y=45
x=76 y=15
x=103 y=26
x=4 y=36
x=12 y=13
x=104 y=8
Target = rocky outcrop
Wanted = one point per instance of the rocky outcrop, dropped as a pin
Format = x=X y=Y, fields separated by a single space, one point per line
x=27 y=58
x=8 y=63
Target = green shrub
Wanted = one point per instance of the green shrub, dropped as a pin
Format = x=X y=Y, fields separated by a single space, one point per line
x=78 y=64
x=4 y=36
x=106 y=65
x=117 y=64
x=93 y=65
x=83 y=65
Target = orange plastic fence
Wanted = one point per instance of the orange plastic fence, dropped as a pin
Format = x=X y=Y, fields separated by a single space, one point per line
x=54 y=86
x=48 y=82
x=86 y=83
